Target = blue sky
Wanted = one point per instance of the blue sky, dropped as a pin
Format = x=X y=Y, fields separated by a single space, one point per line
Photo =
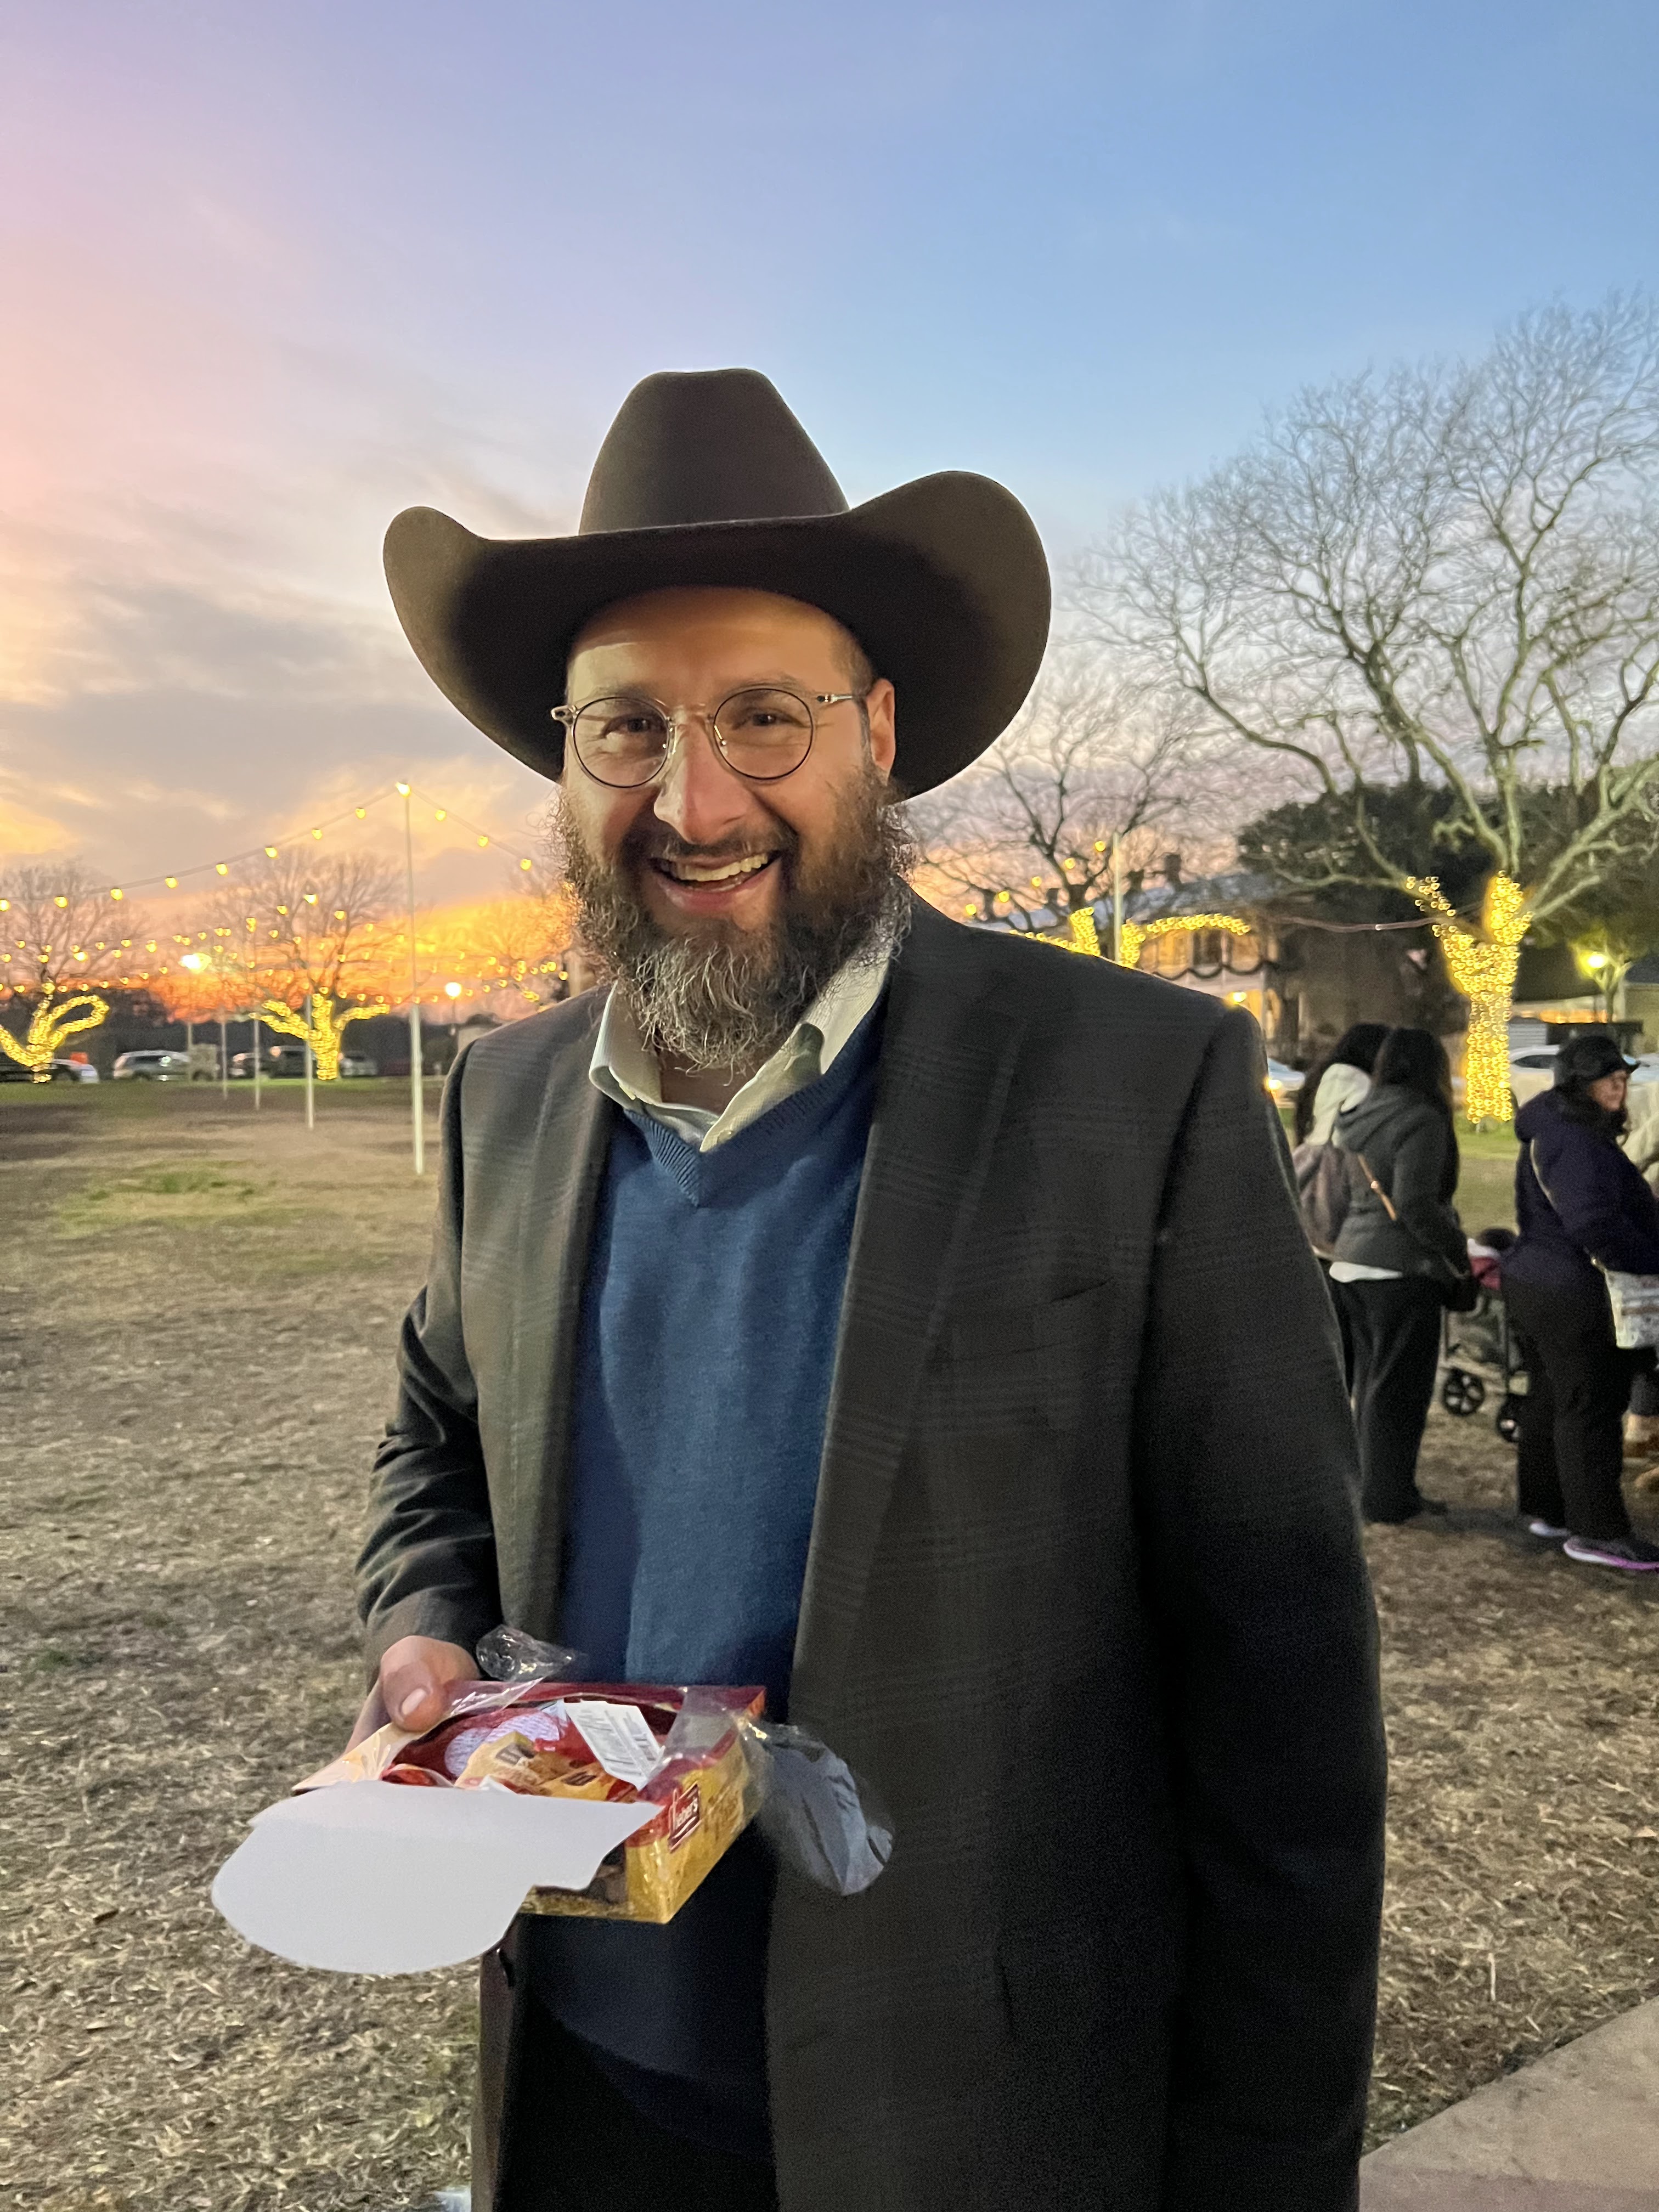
x=276 y=270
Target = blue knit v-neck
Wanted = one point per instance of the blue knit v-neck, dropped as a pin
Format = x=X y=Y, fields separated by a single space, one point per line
x=705 y=1354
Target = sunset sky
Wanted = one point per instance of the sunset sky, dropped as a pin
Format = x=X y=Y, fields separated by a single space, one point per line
x=268 y=273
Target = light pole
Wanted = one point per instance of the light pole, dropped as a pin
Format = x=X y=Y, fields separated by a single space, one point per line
x=416 y=1098
x=311 y=1106
x=194 y=962
x=1117 y=898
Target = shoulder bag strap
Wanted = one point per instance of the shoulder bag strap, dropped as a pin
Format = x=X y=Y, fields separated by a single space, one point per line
x=1387 y=1203
x=1538 y=1177
x=1438 y=1259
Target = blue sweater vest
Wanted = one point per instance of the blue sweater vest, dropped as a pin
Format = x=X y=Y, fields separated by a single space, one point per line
x=705 y=1355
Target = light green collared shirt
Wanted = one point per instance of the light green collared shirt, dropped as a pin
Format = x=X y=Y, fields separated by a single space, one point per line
x=626 y=1072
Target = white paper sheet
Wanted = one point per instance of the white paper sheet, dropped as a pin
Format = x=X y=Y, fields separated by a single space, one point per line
x=379 y=1878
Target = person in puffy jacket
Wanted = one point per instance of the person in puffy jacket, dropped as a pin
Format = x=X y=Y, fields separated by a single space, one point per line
x=1399 y=1253
x=1578 y=1203
x=1337 y=1082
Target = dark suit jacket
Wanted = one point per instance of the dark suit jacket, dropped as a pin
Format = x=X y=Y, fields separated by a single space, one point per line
x=1086 y=1597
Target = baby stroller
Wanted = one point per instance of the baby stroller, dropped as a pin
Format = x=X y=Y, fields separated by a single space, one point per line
x=1483 y=1339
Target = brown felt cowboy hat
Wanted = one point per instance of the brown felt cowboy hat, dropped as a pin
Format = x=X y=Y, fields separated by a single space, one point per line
x=708 y=478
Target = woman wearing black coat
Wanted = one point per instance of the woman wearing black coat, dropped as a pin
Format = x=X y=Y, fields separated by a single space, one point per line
x=1577 y=1200
x=1401 y=1252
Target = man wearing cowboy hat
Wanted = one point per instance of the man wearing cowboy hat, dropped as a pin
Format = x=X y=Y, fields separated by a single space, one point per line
x=912 y=1320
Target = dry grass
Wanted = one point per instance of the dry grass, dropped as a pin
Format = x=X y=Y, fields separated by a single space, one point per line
x=196 y=1319
x=1523 y=1724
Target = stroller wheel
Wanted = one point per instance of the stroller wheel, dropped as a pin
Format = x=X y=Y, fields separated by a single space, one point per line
x=1507 y=1421
x=1461 y=1393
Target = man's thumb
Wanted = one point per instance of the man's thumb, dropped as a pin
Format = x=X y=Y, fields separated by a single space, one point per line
x=413 y=1698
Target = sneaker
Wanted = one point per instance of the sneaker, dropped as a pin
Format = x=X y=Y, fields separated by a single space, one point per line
x=1633 y=1553
x=1548 y=1530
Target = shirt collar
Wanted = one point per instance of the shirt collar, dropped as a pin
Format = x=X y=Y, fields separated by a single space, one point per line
x=626 y=1070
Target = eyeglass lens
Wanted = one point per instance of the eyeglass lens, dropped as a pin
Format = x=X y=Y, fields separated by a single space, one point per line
x=762 y=734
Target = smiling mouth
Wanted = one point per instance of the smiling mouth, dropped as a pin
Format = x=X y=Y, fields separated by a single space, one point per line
x=709 y=873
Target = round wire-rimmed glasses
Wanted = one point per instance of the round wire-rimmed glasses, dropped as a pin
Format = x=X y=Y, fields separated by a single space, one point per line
x=762 y=732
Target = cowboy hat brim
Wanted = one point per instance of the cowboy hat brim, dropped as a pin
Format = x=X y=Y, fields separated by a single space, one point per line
x=942 y=582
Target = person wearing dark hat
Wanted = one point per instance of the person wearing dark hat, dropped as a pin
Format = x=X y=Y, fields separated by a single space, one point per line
x=818 y=1306
x=1581 y=1206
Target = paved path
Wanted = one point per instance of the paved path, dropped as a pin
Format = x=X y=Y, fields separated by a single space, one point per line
x=1578 y=2132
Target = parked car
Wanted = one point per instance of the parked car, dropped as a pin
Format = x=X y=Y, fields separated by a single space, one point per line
x=1283 y=1082
x=272 y=1061
x=1533 y=1070
x=353 y=1063
x=57 y=1070
x=151 y=1068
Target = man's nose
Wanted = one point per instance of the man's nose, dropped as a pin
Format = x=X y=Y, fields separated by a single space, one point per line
x=699 y=798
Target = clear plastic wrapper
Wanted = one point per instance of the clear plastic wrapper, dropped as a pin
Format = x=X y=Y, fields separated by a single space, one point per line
x=704 y=1757
x=820 y=1818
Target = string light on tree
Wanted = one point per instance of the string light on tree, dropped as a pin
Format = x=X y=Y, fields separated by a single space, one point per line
x=325 y=1031
x=53 y=1021
x=1482 y=968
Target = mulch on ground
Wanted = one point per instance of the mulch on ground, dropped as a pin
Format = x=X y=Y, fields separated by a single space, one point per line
x=1523 y=1727
x=198 y=1313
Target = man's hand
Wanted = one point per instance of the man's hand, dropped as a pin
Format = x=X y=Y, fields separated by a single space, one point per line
x=414 y=1672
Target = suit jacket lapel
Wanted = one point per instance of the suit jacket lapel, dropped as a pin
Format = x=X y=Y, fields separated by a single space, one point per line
x=948 y=1055
x=556 y=1230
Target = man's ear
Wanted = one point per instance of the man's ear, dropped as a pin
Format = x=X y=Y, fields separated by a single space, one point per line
x=880 y=719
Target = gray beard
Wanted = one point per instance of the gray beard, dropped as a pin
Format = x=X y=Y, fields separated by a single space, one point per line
x=721 y=999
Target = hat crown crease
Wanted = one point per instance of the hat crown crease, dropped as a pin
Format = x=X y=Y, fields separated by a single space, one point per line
x=709 y=445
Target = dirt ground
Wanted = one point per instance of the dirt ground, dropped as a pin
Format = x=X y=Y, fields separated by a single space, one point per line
x=198 y=1313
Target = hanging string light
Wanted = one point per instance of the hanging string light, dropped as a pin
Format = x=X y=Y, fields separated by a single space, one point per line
x=172 y=880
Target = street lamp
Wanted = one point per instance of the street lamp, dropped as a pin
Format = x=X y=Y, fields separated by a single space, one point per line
x=1596 y=962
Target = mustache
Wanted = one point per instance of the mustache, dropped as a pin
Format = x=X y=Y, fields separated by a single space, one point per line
x=650 y=840
x=719 y=996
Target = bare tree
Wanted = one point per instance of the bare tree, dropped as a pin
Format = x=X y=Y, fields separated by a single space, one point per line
x=1445 y=577
x=295 y=932
x=518 y=943
x=1449 y=576
x=61 y=929
x=1093 y=757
